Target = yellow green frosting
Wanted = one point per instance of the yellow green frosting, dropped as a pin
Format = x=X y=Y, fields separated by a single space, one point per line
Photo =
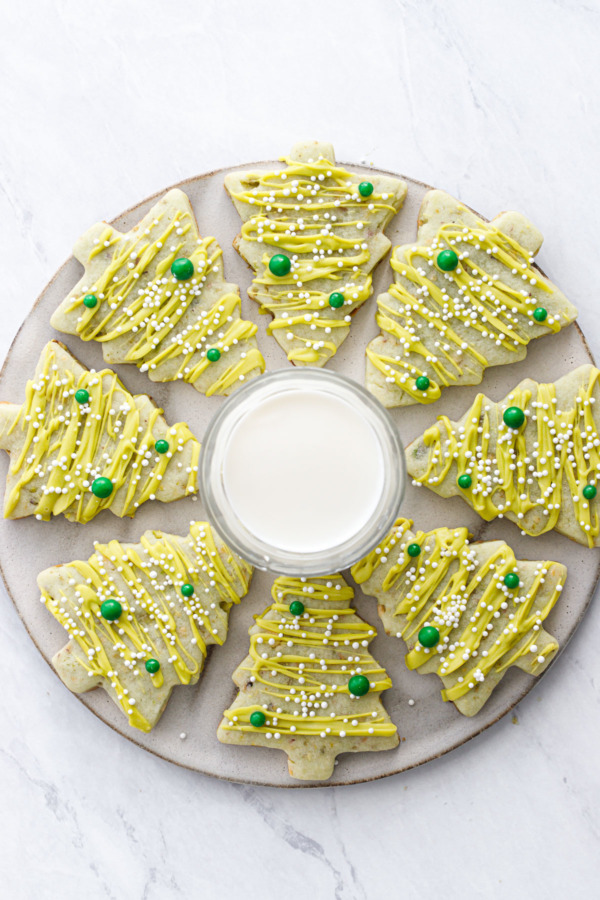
x=439 y=324
x=534 y=475
x=299 y=667
x=459 y=588
x=60 y=446
x=157 y=621
x=163 y=325
x=313 y=212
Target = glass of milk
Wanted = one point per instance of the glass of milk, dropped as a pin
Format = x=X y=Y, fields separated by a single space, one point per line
x=302 y=472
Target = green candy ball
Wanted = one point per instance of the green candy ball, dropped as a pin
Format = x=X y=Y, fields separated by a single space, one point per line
x=102 y=487
x=413 y=550
x=447 y=260
x=213 y=354
x=428 y=636
x=422 y=383
x=90 y=300
x=82 y=396
x=187 y=590
x=589 y=491
x=182 y=269
x=511 y=581
x=296 y=607
x=257 y=718
x=359 y=685
x=336 y=300
x=513 y=417
x=540 y=314
x=161 y=446
x=365 y=189
x=280 y=265
x=464 y=481
x=152 y=666
x=111 y=610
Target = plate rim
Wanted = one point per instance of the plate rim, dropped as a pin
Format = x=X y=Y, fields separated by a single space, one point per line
x=132 y=737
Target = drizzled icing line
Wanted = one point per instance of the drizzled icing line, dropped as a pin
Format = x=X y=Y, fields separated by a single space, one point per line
x=459 y=589
x=437 y=324
x=314 y=213
x=59 y=446
x=535 y=475
x=163 y=325
x=157 y=621
x=299 y=667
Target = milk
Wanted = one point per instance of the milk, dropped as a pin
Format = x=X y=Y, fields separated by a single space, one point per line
x=303 y=471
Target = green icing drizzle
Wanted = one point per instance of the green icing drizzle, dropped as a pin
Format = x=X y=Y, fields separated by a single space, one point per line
x=437 y=589
x=300 y=665
x=65 y=445
x=166 y=322
x=313 y=212
x=542 y=467
x=157 y=621
x=417 y=313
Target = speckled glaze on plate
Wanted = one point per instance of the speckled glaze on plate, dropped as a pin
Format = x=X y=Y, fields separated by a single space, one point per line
x=430 y=727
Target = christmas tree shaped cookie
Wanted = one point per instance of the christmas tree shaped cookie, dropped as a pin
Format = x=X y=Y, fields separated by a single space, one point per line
x=140 y=617
x=81 y=443
x=465 y=297
x=312 y=233
x=309 y=686
x=467 y=611
x=156 y=297
x=533 y=458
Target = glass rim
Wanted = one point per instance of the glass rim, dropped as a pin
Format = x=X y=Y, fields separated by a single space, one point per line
x=221 y=514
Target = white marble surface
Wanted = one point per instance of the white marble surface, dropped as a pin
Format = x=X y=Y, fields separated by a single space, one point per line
x=102 y=104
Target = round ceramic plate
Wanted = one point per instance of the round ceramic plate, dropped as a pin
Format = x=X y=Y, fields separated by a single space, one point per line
x=428 y=728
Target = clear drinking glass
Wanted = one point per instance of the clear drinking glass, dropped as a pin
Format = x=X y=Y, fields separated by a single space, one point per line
x=214 y=494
